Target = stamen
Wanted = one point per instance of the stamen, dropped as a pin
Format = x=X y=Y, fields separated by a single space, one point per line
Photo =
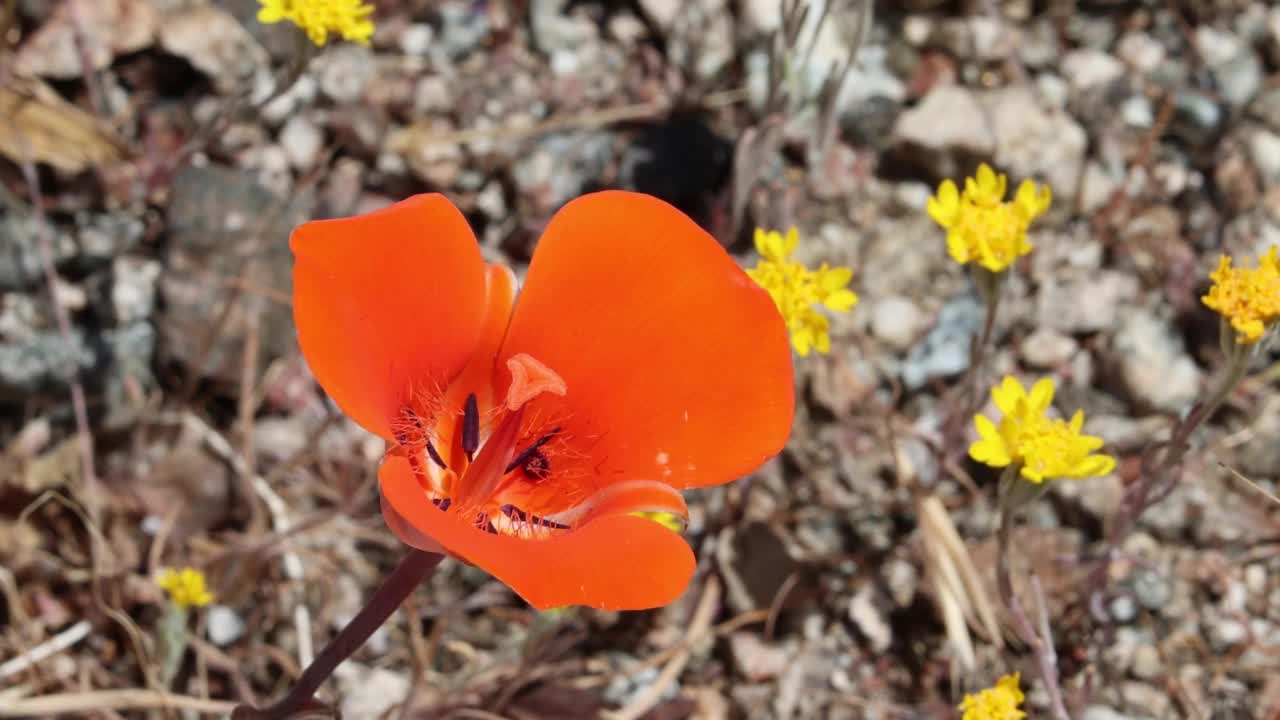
x=527 y=452
x=471 y=427
x=536 y=466
x=442 y=503
x=435 y=456
x=516 y=513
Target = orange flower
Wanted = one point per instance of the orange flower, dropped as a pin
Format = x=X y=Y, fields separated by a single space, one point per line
x=524 y=436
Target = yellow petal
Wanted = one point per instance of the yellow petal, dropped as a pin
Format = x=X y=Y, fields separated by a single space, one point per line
x=1041 y=396
x=1008 y=394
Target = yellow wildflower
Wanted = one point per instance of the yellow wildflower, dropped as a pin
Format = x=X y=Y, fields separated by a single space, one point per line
x=983 y=228
x=798 y=291
x=1041 y=447
x=186 y=588
x=319 y=18
x=999 y=702
x=1248 y=299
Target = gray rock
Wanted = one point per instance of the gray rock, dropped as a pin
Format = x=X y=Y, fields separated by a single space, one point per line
x=1226 y=633
x=1088 y=68
x=945 y=350
x=1264 y=150
x=1151 y=589
x=42 y=361
x=756 y=660
x=561 y=166
x=870 y=621
x=133 y=288
x=897 y=321
x=302 y=141
x=225 y=625
x=1083 y=303
x=219 y=217
x=1147 y=663
x=1156 y=368
x=1266 y=108
x=1236 y=69
x=345 y=71
x=20 y=266
x=463 y=29
x=1141 y=51
x=870 y=99
x=944 y=147
x=1197 y=118
x=1123 y=609
x=1035 y=140
x=1045 y=348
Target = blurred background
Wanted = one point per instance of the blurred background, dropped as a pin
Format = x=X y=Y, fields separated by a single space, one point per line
x=155 y=411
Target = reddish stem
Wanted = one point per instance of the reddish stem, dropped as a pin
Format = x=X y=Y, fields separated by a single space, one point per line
x=414 y=568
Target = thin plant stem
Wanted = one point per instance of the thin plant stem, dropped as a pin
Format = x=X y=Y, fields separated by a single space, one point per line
x=1042 y=647
x=415 y=567
x=1170 y=461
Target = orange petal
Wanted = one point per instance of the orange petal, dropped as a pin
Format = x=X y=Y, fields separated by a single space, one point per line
x=613 y=562
x=677 y=365
x=387 y=304
x=477 y=375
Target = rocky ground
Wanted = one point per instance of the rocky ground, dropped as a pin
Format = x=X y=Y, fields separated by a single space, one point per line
x=171 y=169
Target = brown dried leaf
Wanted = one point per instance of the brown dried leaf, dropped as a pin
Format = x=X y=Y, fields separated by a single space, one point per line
x=109 y=28
x=38 y=125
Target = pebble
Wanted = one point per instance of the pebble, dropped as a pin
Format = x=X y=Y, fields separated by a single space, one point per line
x=1146 y=663
x=302 y=141
x=345 y=71
x=1226 y=633
x=1235 y=67
x=1046 y=348
x=1087 y=68
x=1141 y=51
x=869 y=619
x=133 y=289
x=1152 y=590
x=1157 y=370
x=1123 y=609
x=755 y=659
x=897 y=321
x=1036 y=140
x=945 y=350
x=967 y=129
x=1264 y=149
x=1102 y=712
x=225 y=625
x=416 y=39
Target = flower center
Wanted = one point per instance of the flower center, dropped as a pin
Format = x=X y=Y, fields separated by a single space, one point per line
x=493 y=464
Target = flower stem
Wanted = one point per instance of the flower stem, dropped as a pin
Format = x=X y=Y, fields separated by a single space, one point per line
x=1042 y=647
x=1140 y=497
x=415 y=567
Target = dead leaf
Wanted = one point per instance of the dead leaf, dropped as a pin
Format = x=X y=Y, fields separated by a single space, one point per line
x=109 y=27
x=36 y=123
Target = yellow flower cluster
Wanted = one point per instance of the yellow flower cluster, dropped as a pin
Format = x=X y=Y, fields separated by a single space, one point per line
x=798 y=291
x=983 y=228
x=1248 y=299
x=186 y=588
x=1043 y=448
x=999 y=702
x=319 y=18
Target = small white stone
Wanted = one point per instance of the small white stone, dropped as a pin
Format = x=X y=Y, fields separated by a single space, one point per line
x=897 y=321
x=416 y=39
x=1088 y=68
x=302 y=141
x=1146 y=664
x=1142 y=52
x=865 y=614
x=1047 y=348
x=225 y=625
